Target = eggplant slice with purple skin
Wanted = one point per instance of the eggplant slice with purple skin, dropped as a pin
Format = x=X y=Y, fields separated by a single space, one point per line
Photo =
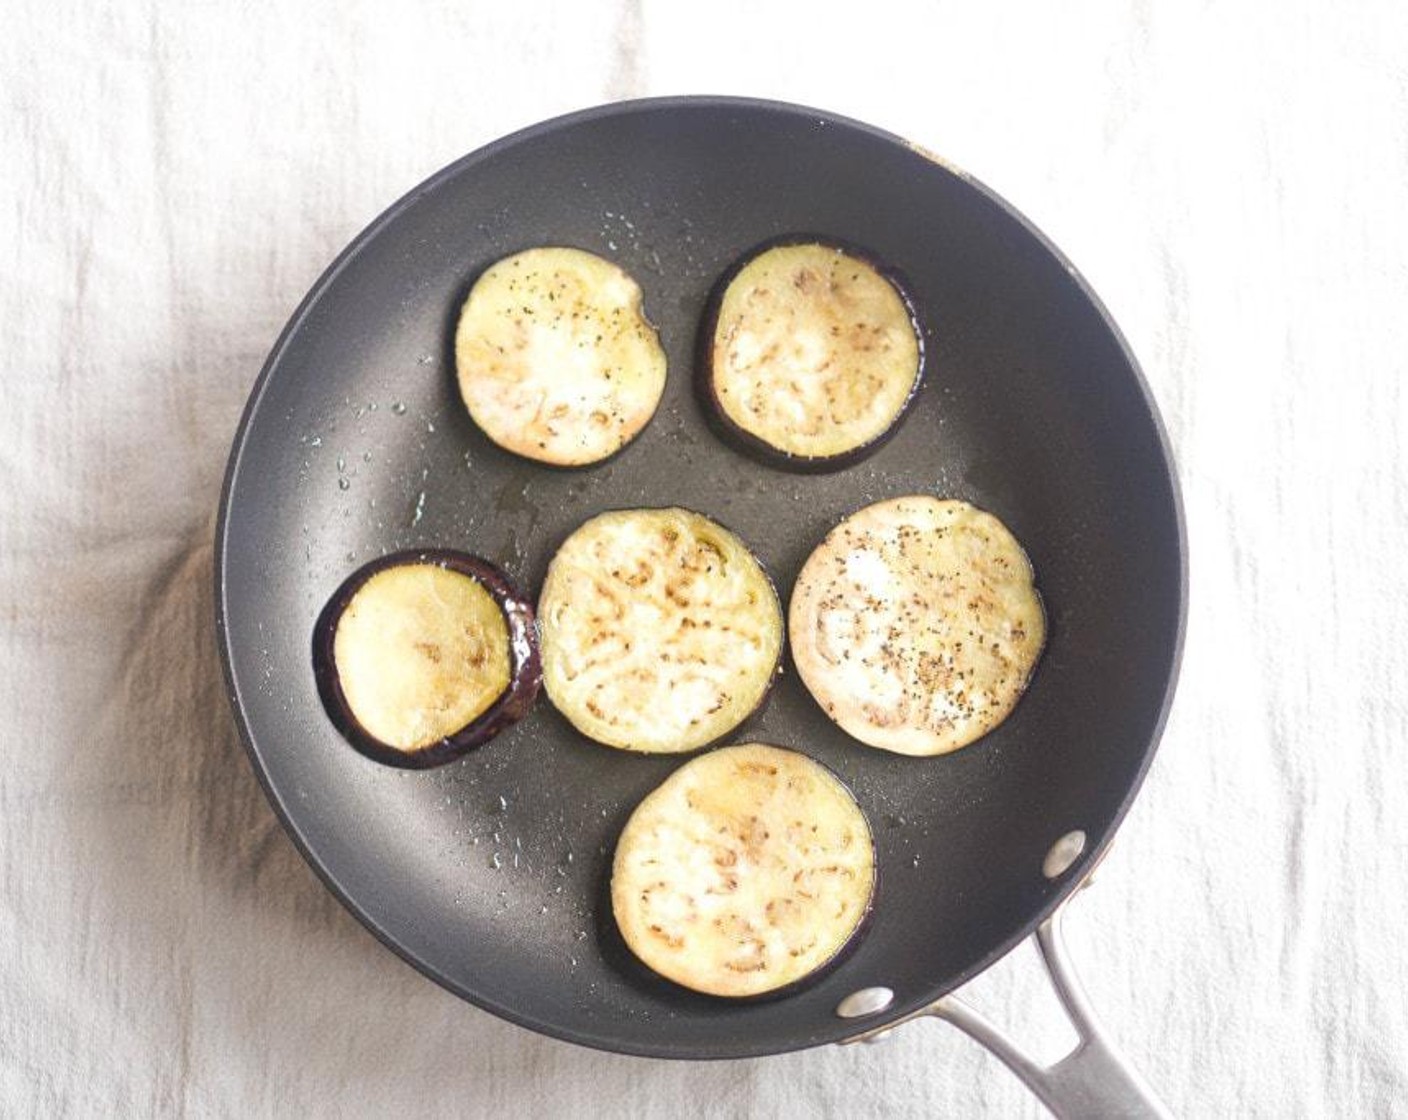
x=746 y=873
x=661 y=632
x=421 y=656
x=810 y=354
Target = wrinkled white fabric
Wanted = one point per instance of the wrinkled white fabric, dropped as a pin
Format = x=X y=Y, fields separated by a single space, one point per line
x=1231 y=178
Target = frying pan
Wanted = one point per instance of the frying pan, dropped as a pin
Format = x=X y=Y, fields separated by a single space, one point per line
x=490 y=874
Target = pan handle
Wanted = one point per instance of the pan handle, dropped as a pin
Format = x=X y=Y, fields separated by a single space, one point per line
x=1093 y=1080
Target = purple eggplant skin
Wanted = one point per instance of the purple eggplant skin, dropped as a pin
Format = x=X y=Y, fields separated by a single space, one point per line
x=729 y=431
x=525 y=666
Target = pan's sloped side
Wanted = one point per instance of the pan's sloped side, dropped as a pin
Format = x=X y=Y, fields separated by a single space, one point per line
x=489 y=874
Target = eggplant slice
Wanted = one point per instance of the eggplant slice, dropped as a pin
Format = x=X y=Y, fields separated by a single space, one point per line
x=747 y=871
x=916 y=624
x=811 y=353
x=661 y=632
x=422 y=656
x=555 y=357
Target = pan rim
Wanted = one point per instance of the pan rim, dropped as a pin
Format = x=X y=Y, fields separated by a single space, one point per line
x=753 y=1047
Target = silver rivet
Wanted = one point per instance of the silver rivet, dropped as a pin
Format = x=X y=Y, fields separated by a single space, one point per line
x=867 y=1001
x=1063 y=853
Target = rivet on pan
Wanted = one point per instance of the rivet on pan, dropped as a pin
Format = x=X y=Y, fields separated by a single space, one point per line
x=867 y=1001
x=1063 y=853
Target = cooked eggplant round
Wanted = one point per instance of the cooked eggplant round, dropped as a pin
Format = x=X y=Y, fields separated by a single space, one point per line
x=661 y=632
x=916 y=624
x=421 y=656
x=556 y=359
x=810 y=354
x=748 y=870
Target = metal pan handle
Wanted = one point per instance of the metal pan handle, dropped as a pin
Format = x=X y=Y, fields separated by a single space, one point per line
x=1093 y=1080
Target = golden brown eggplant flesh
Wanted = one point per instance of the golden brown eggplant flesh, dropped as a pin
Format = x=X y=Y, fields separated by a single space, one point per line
x=916 y=624
x=421 y=656
x=748 y=872
x=661 y=632
x=555 y=358
x=810 y=354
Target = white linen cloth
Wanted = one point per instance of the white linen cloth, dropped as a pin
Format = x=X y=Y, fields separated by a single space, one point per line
x=1233 y=180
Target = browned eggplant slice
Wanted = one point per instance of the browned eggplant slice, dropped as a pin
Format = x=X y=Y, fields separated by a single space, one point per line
x=749 y=870
x=555 y=357
x=422 y=656
x=661 y=632
x=810 y=354
x=916 y=624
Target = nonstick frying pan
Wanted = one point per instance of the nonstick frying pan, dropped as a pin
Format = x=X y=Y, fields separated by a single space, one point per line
x=490 y=874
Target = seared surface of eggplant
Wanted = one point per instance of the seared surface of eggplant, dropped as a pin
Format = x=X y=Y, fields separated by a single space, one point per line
x=811 y=354
x=916 y=624
x=660 y=630
x=555 y=358
x=749 y=869
x=422 y=656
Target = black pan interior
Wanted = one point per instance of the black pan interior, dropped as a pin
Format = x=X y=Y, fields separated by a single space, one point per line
x=488 y=874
